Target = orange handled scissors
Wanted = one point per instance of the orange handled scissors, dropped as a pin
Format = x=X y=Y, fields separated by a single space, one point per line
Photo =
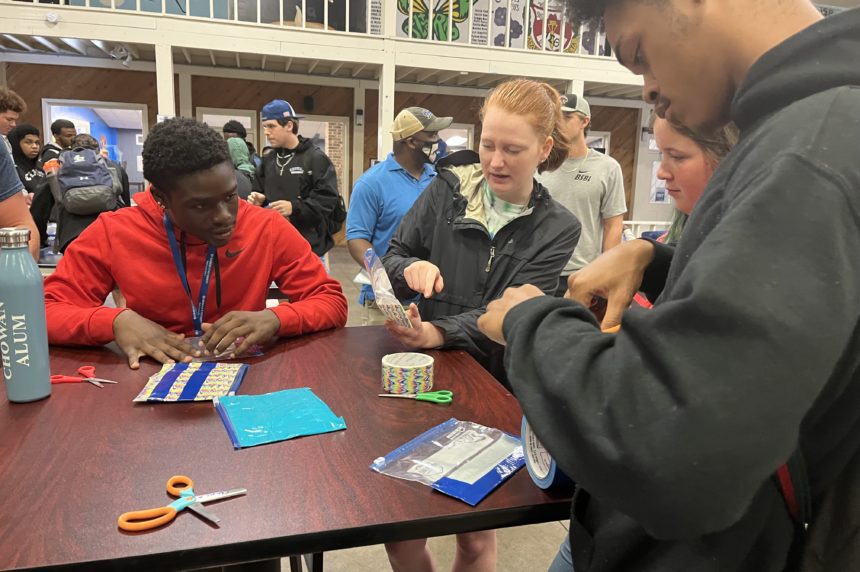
x=178 y=486
x=86 y=373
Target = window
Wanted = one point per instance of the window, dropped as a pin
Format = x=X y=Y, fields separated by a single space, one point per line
x=331 y=134
x=458 y=136
x=118 y=127
x=216 y=118
x=599 y=141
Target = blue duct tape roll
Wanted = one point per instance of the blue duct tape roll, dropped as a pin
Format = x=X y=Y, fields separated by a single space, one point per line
x=540 y=464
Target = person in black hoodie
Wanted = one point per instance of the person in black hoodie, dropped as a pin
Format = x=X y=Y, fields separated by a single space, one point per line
x=297 y=178
x=26 y=143
x=674 y=427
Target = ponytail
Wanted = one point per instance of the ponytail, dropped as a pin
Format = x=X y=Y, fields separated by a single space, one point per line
x=541 y=104
x=560 y=140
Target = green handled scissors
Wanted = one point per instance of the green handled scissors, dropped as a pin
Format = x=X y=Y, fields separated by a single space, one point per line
x=442 y=397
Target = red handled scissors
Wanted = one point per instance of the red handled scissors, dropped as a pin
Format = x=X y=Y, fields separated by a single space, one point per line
x=86 y=373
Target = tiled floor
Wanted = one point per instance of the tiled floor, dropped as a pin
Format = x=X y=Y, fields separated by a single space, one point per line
x=521 y=549
x=344 y=269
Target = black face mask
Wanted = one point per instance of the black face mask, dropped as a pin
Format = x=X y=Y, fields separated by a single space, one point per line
x=427 y=151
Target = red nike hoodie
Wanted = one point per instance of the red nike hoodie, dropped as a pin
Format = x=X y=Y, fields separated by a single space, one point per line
x=128 y=249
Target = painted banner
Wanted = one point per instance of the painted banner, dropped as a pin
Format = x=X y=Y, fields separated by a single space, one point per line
x=552 y=27
x=508 y=20
x=449 y=19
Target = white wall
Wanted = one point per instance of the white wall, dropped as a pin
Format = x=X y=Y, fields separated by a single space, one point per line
x=127 y=142
x=642 y=208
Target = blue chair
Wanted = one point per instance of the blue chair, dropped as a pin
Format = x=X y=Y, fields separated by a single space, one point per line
x=653 y=234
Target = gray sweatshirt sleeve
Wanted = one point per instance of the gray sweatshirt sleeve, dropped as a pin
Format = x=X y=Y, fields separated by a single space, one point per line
x=680 y=418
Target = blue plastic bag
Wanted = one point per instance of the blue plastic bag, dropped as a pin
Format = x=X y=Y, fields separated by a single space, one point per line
x=253 y=420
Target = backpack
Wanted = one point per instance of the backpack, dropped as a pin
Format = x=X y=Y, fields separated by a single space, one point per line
x=88 y=185
x=253 y=157
x=334 y=221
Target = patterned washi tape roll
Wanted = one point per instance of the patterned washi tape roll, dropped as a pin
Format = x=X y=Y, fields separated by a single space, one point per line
x=407 y=372
x=540 y=464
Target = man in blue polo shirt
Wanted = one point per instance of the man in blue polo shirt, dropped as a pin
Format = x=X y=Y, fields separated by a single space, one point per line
x=386 y=191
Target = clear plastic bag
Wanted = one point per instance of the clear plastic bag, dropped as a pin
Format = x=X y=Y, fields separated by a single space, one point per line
x=459 y=458
x=383 y=291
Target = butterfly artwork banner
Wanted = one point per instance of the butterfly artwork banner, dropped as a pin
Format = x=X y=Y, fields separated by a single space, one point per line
x=446 y=20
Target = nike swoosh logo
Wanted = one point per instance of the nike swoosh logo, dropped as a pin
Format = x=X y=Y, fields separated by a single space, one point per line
x=234 y=254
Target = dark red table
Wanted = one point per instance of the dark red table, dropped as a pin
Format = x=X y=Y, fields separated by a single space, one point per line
x=70 y=464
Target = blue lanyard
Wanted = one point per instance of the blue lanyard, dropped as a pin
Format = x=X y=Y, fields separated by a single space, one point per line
x=196 y=309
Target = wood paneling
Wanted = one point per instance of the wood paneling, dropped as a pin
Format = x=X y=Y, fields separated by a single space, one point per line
x=371 y=126
x=245 y=94
x=623 y=123
x=462 y=109
x=35 y=82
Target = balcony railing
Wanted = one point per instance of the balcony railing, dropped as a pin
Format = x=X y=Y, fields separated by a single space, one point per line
x=538 y=25
x=340 y=15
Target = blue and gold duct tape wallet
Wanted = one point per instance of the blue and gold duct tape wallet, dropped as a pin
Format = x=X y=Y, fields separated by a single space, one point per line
x=193 y=382
x=540 y=464
x=407 y=372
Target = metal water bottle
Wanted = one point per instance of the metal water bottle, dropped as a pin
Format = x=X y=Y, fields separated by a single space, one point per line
x=23 y=331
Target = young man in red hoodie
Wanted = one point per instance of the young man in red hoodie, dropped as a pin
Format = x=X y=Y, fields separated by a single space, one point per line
x=191 y=260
